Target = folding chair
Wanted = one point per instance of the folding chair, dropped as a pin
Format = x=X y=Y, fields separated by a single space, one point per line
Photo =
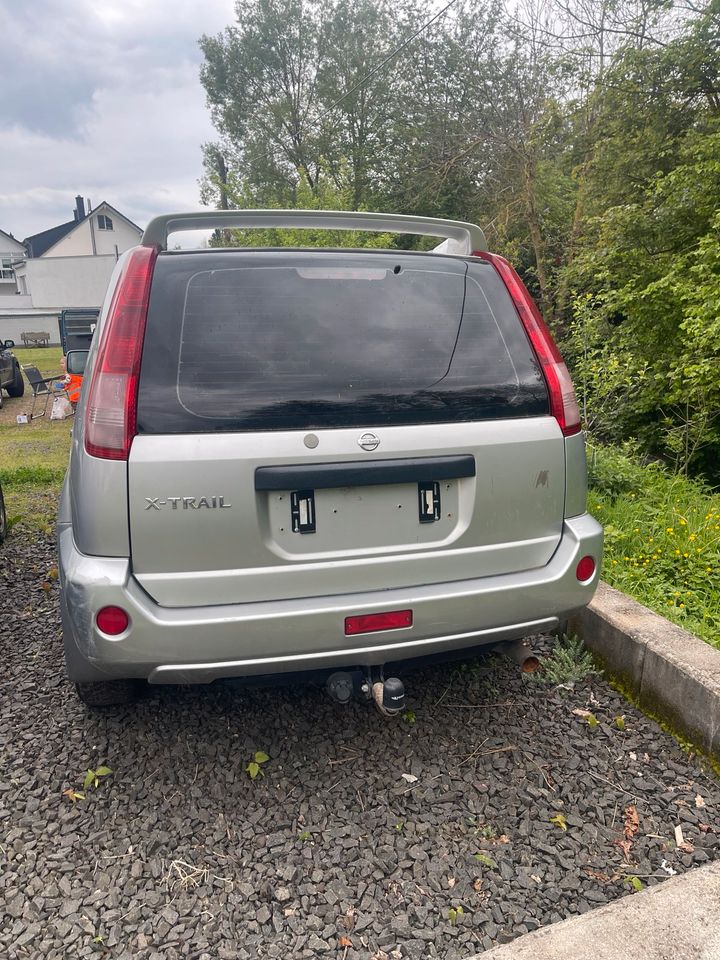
x=45 y=388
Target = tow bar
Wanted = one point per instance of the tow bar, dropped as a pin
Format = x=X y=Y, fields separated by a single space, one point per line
x=388 y=694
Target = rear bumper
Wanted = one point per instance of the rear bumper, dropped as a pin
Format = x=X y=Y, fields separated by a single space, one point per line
x=202 y=644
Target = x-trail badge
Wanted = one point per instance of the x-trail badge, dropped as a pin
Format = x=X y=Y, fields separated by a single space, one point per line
x=368 y=441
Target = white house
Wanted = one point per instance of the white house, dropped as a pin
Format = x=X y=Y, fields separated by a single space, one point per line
x=103 y=231
x=64 y=267
x=10 y=251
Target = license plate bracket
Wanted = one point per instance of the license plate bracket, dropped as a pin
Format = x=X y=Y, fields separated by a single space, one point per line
x=302 y=511
x=428 y=501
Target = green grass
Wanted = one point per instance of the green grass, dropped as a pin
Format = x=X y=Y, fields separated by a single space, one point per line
x=34 y=453
x=662 y=539
x=46 y=359
x=33 y=456
x=34 y=507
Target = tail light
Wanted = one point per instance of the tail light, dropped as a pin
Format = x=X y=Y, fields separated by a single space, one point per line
x=563 y=404
x=111 y=409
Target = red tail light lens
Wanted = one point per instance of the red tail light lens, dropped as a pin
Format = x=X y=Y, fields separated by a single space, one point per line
x=373 y=622
x=563 y=404
x=585 y=569
x=112 y=620
x=111 y=410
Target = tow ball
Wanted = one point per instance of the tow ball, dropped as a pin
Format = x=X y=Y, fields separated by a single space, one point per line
x=388 y=694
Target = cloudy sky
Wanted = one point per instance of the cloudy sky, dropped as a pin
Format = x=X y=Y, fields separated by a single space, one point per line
x=101 y=98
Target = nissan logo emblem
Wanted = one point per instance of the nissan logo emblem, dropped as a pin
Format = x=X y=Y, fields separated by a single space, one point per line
x=368 y=441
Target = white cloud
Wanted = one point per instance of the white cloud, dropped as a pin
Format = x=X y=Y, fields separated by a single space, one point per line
x=112 y=109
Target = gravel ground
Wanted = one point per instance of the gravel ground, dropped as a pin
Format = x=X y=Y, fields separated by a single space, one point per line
x=361 y=837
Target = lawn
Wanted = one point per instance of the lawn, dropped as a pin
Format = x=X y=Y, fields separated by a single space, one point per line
x=662 y=539
x=33 y=456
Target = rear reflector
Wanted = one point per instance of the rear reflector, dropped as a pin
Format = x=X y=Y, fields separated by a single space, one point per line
x=585 y=569
x=373 y=622
x=112 y=620
x=110 y=413
x=563 y=404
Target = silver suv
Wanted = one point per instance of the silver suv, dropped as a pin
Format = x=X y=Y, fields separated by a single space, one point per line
x=289 y=459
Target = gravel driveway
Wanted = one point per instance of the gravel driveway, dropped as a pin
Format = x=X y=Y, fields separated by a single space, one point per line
x=365 y=837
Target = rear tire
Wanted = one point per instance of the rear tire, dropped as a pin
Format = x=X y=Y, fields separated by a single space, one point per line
x=17 y=387
x=108 y=693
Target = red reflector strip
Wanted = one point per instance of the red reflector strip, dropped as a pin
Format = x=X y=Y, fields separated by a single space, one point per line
x=373 y=622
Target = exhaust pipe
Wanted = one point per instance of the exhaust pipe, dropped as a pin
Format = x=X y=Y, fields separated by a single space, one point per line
x=521 y=653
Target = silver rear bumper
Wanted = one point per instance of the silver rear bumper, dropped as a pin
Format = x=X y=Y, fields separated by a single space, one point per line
x=201 y=644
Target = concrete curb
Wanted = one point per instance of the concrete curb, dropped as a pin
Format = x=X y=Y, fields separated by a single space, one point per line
x=672 y=673
x=678 y=919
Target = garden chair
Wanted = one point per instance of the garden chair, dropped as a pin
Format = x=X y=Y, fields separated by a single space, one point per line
x=44 y=389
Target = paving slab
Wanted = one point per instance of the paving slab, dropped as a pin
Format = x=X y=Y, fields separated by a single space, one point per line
x=678 y=920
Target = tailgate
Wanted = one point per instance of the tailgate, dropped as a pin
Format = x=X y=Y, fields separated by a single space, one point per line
x=203 y=533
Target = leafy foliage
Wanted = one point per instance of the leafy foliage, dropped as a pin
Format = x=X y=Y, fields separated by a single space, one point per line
x=662 y=538
x=254 y=767
x=484 y=859
x=583 y=137
x=93 y=777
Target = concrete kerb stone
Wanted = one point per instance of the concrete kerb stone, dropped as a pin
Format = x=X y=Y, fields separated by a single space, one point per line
x=672 y=673
x=677 y=920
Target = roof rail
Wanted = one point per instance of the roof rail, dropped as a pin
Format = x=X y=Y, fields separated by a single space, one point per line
x=463 y=238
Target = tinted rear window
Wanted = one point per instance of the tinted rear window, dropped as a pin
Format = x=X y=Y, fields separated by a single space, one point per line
x=269 y=340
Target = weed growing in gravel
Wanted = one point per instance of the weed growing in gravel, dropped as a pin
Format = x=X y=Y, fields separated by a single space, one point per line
x=409 y=716
x=254 y=768
x=484 y=859
x=454 y=913
x=635 y=882
x=486 y=831
x=93 y=777
x=569 y=662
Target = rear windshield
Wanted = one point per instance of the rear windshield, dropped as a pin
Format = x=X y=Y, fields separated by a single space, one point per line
x=272 y=340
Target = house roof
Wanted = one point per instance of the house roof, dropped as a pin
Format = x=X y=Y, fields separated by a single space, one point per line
x=8 y=236
x=40 y=243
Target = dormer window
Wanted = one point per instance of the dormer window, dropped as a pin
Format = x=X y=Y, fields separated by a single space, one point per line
x=104 y=223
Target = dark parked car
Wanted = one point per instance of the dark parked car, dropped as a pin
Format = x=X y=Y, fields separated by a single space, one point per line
x=11 y=378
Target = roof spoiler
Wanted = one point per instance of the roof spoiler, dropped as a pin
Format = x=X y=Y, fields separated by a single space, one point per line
x=459 y=238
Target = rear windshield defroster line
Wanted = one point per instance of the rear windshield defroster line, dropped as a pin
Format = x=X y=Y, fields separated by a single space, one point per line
x=283 y=340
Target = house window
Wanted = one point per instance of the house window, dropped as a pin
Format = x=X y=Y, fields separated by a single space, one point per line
x=104 y=223
x=6 y=270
